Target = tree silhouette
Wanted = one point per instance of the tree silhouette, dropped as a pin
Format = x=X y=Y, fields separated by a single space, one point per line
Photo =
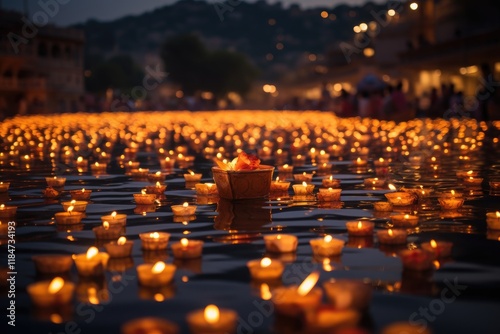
x=195 y=68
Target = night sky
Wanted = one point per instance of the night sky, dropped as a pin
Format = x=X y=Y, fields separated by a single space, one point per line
x=76 y=11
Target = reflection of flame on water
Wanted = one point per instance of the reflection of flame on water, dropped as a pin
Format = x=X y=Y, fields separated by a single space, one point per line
x=265 y=293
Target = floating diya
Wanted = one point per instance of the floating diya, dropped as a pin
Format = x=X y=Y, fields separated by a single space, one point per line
x=285 y=169
x=298 y=160
x=183 y=210
x=279 y=185
x=4 y=186
x=187 y=249
x=98 y=168
x=154 y=240
x=373 y=182
x=158 y=189
x=139 y=172
x=80 y=195
x=400 y=198
x=155 y=275
x=294 y=301
x=156 y=177
x=192 y=176
x=55 y=182
x=330 y=182
x=473 y=181
x=68 y=217
x=360 y=228
x=451 y=200
x=265 y=269
x=303 y=189
x=7 y=211
x=441 y=249
x=404 y=220
x=466 y=174
x=205 y=189
x=91 y=263
x=326 y=246
x=392 y=236
x=56 y=292
x=167 y=163
x=78 y=206
x=144 y=198
x=304 y=177
x=51 y=264
x=280 y=243
x=417 y=259
x=211 y=319
x=115 y=218
x=130 y=165
x=493 y=220
x=359 y=162
x=329 y=195
x=107 y=231
x=120 y=248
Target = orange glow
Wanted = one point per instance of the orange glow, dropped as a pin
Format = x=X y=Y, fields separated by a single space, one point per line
x=211 y=314
x=56 y=285
x=121 y=241
x=265 y=262
x=308 y=284
x=158 y=267
x=92 y=252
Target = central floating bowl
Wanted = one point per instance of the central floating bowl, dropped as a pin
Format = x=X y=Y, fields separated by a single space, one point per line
x=243 y=184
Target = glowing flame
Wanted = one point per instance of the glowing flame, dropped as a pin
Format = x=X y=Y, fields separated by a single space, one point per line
x=184 y=242
x=158 y=173
x=113 y=214
x=304 y=184
x=158 y=184
x=470 y=172
x=158 y=267
x=2 y=206
x=331 y=178
x=73 y=202
x=327 y=238
x=190 y=172
x=83 y=190
x=308 y=284
x=433 y=244
x=496 y=214
x=211 y=314
x=330 y=189
x=105 y=224
x=285 y=166
x=79 y=159
x=277 y=178
x=390 y=233
x=56 y=285
x=437 y=265
x=154 y=235
x=453 y=193
x=278 y=237
x=360 y=225
x=392 y=187
x=143 y=191
x=265 y=262
x=121 y=241
x=381 y=159
x=407 y=216
x=185 y=205
x=70 y=208
x=265 y=293
x=93 y=251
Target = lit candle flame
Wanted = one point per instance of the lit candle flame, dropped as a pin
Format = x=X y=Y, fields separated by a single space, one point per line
x=185 y=204
x=2 y=206
x=407 y=216
x=453 y=193
x=327 y=238
x=143 y=191
x=433 y=244
x=265 y=262
x=184 y=242
x=73 y=202
x=190 y=172
x=285 y=166
x=154 y=235
x=496 y=214
x=158 y=184
x=436 y=263
x=158 y=267
x=470 y=172
x=304 y=184
x=331 y=177
x=308 y=284
x=158 y=173
x=211 y=314
x=92 y=251
x=390 y=233
x=83 y=190
x=277 y=178
x=121 y=241
x=392 y=187
x=56 y=285
x=70 y=208
x=113 y=214
x=105 y=224
x=278 y=237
